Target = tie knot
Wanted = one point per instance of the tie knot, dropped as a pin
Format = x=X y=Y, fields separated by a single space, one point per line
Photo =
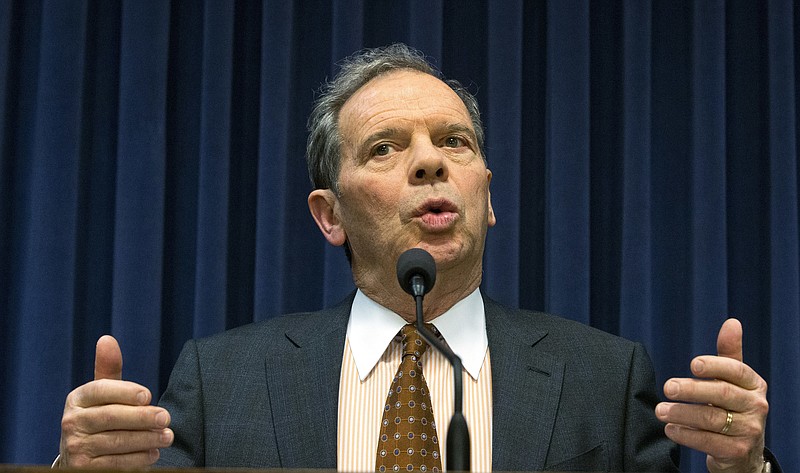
x=413 y=343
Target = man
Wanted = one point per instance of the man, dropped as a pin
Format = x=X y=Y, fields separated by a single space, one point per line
x=396 y=157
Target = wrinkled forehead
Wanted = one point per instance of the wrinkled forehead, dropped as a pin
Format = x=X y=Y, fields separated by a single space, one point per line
x=400 y=94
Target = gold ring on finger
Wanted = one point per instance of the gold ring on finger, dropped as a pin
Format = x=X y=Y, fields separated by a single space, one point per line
x=728 y=422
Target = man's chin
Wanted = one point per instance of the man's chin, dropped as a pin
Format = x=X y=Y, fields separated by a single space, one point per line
x=446 y=254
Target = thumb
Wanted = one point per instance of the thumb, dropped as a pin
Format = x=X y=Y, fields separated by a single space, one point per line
x=108 y=359
x=729 y=340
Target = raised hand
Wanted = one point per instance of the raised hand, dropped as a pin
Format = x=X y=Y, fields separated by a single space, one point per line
x=109 y=423
x=723 y=410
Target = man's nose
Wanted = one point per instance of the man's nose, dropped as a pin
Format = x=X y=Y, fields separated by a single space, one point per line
x=429 y=165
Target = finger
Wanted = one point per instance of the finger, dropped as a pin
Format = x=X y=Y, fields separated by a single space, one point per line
x=729 y=340
x=719 y=446
x=727 y=369
x=116 y=462
x=88 y=447
x=106 y=391
x=122 y=442
x=118 y=417
x=108 y=359
x=705 y=391
x=696 y=416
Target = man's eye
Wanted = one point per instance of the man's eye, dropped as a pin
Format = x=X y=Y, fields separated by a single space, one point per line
x=453 y=142
x=382 y=150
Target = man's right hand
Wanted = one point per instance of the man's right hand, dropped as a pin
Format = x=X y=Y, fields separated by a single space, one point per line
x=109 y=423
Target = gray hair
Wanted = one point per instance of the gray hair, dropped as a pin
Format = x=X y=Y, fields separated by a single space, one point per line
x=323 y=150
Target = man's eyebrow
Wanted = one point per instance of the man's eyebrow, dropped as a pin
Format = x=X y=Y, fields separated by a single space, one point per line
x=460 y=128
x=382 y=134
x=366 y=144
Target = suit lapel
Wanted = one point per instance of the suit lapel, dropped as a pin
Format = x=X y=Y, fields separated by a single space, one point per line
x=526 y=387
x=303 y=383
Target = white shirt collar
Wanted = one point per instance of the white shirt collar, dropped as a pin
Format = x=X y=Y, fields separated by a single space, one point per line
x=372 y=327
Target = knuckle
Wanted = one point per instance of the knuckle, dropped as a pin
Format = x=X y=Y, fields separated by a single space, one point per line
x=119 y=462
x=102 y=387
x=740 y=449
x=761 y=406
x=742 y=371
x=117 y=443
x=74 y=445
x=146 y=415
x=107 y=418
x=69 y=423
x=725 y=390
x=79 y=461
x=72 y=399
x=752 y=430
x=709 y=417
x=115 y=462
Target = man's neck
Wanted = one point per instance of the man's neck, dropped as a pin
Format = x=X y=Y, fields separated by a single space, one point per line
x=446 y=293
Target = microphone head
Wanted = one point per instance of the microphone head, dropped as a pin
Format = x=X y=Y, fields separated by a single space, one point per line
x=416 y=262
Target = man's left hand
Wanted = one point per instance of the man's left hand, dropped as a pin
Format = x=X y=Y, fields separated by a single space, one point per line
x=723 y=410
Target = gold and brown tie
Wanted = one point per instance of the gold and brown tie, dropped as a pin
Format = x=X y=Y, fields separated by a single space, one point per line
x=408 y=439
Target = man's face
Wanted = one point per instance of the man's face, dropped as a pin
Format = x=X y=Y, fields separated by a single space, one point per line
x=411 y=174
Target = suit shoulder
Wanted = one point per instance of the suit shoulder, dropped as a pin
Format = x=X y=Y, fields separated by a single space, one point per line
x=556 y=331
x=294 y=329
x=571 y=328
x=254 y=329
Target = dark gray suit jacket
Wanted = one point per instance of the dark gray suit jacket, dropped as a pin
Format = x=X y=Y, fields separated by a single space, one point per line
x=566 y=396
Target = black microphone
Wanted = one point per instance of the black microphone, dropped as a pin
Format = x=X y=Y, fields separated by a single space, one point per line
x=416 y=273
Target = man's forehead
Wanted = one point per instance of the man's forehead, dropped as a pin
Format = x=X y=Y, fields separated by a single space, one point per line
x=401 y=90
x=402 y=81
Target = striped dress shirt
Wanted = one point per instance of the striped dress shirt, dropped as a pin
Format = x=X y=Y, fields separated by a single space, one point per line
x=370 y=360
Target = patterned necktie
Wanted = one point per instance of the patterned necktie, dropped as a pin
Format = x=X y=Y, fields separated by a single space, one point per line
x=408 y=439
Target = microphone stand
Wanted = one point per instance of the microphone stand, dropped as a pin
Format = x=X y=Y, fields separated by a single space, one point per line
x=458 y=448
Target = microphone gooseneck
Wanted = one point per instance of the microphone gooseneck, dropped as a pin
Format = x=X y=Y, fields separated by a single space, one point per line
x=416 y=273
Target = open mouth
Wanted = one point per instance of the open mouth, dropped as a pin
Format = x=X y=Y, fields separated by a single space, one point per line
x=437 y=214
x=436 y=207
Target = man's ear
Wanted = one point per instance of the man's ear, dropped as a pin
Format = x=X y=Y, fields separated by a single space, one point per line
x=324 y=207
x=492 y=219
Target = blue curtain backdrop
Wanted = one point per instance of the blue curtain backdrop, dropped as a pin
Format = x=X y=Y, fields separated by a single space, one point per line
x=153 y=186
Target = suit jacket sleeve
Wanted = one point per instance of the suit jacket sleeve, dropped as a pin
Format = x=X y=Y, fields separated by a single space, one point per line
x=250 y=397
x=184 y=396
x=647 y=448
x=219 y=403
x=568 y=397
x=630 y=437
